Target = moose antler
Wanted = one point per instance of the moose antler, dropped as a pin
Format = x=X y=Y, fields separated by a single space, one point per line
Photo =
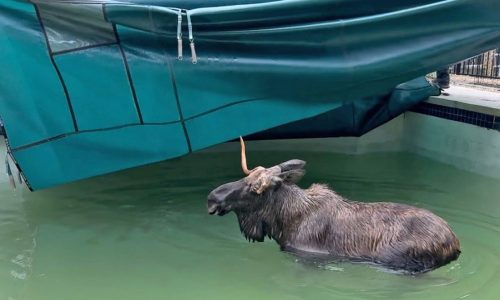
x=243 y=157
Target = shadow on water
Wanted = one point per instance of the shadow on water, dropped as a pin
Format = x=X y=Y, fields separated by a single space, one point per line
x=145 y=233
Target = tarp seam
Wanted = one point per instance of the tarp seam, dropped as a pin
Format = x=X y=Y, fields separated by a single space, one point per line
x=58 y=72
x=129 y=76
x=63 y=135
x=84 y=48
x=179 y=108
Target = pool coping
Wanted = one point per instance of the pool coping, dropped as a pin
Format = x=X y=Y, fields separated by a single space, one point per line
x=465 y=109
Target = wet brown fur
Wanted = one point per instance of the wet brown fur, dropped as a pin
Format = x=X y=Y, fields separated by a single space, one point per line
x=318 y=220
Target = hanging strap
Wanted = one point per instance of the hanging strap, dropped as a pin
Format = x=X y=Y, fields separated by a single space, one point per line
x=179 y=35
x=194 y=58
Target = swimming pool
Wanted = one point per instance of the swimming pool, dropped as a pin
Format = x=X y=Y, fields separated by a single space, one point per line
x=145 y=233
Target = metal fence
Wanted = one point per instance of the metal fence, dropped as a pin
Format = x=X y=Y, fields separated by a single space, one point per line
x=486 y=65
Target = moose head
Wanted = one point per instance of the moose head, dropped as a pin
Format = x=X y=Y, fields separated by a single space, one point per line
x=252 y=190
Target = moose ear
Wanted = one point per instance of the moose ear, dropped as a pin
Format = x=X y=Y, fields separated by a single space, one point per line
x=293 y=164
x=292 y=176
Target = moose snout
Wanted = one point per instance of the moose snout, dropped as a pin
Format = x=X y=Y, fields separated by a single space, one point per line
x=212 y=205
x=220 y=199
x=215 y=205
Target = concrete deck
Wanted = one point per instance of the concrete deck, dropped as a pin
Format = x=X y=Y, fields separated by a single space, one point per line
x=470 y=99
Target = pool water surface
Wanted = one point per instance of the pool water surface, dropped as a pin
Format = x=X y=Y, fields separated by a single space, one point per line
x=145 y=234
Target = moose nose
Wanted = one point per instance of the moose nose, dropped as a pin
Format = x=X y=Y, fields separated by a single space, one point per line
x=212 y=204
x=211 y=208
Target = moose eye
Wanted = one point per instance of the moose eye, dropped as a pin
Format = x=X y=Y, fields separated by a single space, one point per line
x=250 y=188
x=253 y=190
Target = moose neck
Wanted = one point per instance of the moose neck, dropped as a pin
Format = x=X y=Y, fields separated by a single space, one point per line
x=279 y=212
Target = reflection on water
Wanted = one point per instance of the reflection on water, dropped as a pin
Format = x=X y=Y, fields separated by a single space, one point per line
x=145 y=234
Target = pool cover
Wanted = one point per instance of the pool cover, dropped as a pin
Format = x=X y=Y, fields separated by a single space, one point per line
x=91 y=87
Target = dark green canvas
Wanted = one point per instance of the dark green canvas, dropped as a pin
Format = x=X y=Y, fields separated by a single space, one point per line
x=90 y=87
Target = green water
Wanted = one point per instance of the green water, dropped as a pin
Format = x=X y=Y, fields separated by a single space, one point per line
x=145 y=234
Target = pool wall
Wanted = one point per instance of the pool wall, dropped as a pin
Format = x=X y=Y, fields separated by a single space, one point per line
x=463 y=135
x=459 y=134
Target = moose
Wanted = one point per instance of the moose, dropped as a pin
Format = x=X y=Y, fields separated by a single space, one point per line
x=318 y=221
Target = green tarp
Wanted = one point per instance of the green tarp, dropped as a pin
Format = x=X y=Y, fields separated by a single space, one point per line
x=91 y=87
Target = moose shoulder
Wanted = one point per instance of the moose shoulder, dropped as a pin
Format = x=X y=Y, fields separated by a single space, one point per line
x=269 y=203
